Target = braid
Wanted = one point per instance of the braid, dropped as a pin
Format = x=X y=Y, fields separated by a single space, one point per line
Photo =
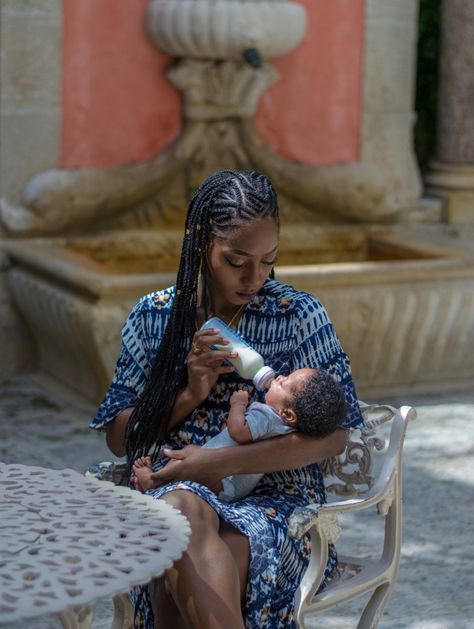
x=222 y=202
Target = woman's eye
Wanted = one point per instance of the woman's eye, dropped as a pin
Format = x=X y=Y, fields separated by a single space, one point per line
x=236 y=265
x=268 y=262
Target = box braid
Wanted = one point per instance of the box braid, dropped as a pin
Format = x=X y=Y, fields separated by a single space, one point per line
x=222 y=203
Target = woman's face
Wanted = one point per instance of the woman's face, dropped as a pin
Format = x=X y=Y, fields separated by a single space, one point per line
x=240 y=261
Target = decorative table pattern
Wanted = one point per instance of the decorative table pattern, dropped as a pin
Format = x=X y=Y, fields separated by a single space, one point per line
x=67 y=540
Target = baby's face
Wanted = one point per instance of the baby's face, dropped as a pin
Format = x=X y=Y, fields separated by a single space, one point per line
x=283 y=388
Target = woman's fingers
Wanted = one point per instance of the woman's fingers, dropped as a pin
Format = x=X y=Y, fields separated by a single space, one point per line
x=191 y=463
x=205 y=364
x=213 y=360
x=214 y=356
x=203 y=340
x=167 y=474
x=209 y=337
x=176 y=454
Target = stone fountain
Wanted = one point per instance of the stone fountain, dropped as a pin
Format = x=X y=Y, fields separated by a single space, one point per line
x=401 y=294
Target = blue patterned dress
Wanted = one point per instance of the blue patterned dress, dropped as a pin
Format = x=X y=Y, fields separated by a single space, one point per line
x=291 y=330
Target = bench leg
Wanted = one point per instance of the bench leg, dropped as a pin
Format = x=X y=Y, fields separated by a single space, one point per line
x=374 y=609
x=77 y=618
x=123 y=612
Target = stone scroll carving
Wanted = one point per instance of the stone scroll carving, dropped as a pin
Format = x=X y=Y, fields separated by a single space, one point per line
x=324 y=188
x=219 y=89
x=59 y=200
x=223 y=50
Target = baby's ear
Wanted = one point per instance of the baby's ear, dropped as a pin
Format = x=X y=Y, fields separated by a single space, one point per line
x=288 y=415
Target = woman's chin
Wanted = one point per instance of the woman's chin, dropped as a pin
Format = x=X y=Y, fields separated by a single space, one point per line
x=245 y=297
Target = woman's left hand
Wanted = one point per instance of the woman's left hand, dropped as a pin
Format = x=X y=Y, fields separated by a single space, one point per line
x=192 y=462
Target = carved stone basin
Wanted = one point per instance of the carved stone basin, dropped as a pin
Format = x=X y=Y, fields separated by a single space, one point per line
x=224 y=29
x=401 y=298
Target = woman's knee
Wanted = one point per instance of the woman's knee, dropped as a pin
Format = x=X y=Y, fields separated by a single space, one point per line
x=197 y=510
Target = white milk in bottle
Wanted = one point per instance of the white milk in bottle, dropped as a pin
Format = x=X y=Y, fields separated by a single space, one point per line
x=249 y=364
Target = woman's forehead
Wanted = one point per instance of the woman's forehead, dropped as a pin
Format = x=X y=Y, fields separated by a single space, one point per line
x=259 y=234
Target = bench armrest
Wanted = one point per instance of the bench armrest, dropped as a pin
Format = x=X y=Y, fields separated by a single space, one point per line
x=303 y=518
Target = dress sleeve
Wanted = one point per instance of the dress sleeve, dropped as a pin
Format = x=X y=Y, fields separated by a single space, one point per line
x=130 y=371
x=317 y=345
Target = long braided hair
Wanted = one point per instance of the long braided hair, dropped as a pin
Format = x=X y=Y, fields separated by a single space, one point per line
x=222 y=203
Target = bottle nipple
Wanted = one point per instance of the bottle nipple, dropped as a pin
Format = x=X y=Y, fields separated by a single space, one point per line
x=263 y=378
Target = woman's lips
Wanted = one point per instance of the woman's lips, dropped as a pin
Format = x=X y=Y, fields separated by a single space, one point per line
x=247 y=296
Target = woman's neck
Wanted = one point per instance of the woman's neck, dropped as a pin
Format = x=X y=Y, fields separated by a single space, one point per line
x=229 y=313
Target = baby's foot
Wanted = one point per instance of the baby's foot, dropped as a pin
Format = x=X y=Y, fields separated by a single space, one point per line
x=142 y=473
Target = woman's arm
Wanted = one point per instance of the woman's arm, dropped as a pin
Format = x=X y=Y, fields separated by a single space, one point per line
x=285 y=453
x=115 y=432
x=116 y=429
x=203 y=370
x=209 y=466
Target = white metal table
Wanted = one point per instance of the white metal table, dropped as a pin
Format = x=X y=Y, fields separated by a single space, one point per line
x=67 y=540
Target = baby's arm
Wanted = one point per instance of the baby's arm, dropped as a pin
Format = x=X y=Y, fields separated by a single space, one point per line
x=236 y=422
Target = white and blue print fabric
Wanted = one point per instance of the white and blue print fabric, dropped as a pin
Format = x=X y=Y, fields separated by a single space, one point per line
x=291 y=330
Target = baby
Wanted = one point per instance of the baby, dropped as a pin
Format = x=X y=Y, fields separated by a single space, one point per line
x=308 y=400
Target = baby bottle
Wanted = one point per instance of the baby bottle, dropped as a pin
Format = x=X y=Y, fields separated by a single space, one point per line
x=249 y=364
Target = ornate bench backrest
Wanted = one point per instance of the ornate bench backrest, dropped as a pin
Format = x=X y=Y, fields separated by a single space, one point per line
x=350 y=473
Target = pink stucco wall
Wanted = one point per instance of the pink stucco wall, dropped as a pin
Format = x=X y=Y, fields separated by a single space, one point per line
x=117 y=103
x=119 y=107
x=313 y=113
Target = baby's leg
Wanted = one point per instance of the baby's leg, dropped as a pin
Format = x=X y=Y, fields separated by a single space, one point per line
x=142 y=471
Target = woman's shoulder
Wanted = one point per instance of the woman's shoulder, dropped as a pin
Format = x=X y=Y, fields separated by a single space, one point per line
x=286 y=297
x=155 y=301
x=156 y=304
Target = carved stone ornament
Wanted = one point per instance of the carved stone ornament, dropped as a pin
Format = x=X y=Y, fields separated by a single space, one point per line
x=224 y=29
x=244 y=36
x=68 y=540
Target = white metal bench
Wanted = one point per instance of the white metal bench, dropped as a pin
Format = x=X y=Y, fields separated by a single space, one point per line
x=351 y=477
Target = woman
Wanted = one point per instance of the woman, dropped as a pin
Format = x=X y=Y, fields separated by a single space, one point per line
x=241 y=569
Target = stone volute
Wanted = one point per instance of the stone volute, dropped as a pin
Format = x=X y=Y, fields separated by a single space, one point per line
x=225 y=29
x=223 y=51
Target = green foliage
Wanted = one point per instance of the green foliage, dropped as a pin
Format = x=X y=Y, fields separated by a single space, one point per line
x=427 y=79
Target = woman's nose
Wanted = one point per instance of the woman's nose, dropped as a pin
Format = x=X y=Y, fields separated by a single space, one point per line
x=253 y=275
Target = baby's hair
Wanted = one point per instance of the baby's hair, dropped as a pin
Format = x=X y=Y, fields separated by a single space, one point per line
x=225 y=201
x=320 y=405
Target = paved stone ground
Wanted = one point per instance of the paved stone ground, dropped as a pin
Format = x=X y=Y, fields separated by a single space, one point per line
x=435 y=585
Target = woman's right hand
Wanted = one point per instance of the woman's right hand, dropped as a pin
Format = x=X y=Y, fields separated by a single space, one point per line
x=205 y=364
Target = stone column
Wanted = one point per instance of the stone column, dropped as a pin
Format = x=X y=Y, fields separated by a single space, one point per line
x=451 y=175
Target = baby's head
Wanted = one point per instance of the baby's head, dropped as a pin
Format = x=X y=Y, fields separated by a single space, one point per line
x=309 y=400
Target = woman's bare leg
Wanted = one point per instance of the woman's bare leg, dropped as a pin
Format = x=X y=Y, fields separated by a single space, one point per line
x=205 y=583
x=238 y=545
x=165 y=612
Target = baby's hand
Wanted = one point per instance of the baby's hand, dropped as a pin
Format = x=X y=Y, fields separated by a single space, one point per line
x=240 y=398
